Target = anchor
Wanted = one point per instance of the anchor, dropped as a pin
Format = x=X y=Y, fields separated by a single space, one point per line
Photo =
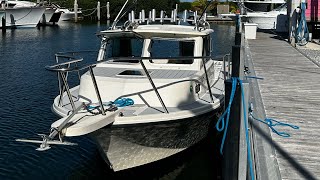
x=47 y=140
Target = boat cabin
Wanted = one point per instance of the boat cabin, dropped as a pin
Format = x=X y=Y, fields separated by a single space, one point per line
x=170 y=54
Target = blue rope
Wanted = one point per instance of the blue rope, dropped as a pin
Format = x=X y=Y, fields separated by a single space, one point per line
x=120 y=102
x=222 y=123
x=272 y=123
x=303 y=25
x=246 y=130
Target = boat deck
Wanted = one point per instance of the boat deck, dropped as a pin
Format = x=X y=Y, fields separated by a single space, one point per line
x=290 y=93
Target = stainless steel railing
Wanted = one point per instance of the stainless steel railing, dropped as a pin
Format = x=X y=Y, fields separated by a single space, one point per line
x=64 y=68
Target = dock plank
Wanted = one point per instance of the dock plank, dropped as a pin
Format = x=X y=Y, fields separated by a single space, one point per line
x=290 y=93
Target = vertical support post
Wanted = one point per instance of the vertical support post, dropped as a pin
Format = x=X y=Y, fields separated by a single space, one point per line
x=207 y=78
x=3 y=21
x=231 y=145
x=235 y=151
x=97 y=90
x=292 y=12
x=98 y=11
x=185 y=16
x=108 y=11
x=153 y=15
x=63 y=77
x=75 y=7
x=238 y=37
x=143 y=16
x=153 y=86
x=237 y=63
x=161 y=16
x=243 y=151
x=133 y=18
x=238 y=23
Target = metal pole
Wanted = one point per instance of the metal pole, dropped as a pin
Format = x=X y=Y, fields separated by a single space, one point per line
x=97 y=90
x=153 y=86
x=98 y=11
x=207 y=78
x=75 y=7
x=63 y=77
x=108 y=10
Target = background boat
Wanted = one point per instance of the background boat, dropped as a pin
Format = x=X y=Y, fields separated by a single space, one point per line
x=22 y=14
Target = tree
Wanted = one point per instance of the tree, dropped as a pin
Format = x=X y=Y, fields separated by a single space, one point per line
x=200 y=5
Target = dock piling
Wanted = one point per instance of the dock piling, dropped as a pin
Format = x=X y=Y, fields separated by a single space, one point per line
x=235 y=151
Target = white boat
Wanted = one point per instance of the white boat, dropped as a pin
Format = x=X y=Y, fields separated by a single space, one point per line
x=67 y=14
x=22 y=13
x=152 y=93
x=50 y=16
x=275 y=19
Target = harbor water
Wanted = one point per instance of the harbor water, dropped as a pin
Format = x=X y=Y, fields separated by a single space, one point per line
x=27 y=91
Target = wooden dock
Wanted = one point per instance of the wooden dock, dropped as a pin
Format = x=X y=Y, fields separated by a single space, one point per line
x=290 y=93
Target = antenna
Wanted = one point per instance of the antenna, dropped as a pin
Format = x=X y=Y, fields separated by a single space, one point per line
x=118 y=16
x=205 y=9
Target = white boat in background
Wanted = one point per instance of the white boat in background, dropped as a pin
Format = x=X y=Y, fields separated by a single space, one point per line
x=67 y=14
x=21 y=13
x=276 y=19
x=153 y=91
x=50 y=16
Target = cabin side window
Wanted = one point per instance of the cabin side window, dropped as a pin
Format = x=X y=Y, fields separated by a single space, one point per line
x=124 y=47
x=170 y=48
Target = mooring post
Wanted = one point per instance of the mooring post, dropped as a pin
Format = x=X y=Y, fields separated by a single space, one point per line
x=98 y=11
x=3 y=22
x=235 y=149
x=238 y=38
x=108 y=11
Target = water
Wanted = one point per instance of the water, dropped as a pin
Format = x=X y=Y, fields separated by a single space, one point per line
x=27 y=91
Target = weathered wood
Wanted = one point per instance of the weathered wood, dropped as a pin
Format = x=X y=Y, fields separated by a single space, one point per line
x=291 y=93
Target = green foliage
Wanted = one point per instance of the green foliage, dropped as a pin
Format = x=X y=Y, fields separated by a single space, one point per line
x=185 y=6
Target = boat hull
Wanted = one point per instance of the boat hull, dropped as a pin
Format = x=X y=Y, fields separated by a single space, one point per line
x=125 y=147
x=23 y=16
x=275 y=22
x=49 y=16
x=69 y=16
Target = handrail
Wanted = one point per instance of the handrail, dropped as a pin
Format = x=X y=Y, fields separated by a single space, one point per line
x=61 y=70
x=54 y=67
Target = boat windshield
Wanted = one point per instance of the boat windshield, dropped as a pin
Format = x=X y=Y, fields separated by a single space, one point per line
x=125 y=47
x=172 y=48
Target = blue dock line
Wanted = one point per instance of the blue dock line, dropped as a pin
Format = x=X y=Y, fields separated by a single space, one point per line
x=302 y=34
x=120 y=102
x=272 y=123
x=221 y=125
